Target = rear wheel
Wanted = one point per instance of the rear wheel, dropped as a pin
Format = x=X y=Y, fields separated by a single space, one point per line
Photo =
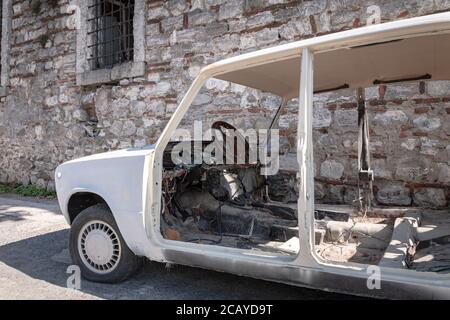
x=97 y=247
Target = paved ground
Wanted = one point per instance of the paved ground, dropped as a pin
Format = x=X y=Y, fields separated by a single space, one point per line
x=34 y=260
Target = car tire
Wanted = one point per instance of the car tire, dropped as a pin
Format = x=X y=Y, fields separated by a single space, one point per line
x=97 y=247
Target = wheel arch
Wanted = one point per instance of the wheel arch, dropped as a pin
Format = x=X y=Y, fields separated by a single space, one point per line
x=81 y=200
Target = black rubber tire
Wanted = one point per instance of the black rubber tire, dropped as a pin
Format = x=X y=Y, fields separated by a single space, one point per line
x=128 y=264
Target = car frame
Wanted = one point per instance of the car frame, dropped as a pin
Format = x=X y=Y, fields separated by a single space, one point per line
x=128 y=183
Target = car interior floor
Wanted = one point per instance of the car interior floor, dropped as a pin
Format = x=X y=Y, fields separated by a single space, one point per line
x=229 y=206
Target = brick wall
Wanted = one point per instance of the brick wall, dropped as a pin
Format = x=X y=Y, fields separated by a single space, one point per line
x=47 y=119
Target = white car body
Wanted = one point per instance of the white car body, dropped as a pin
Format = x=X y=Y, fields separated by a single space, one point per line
x=129 y=182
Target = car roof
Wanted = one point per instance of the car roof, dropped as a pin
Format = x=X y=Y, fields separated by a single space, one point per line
x=416 y=48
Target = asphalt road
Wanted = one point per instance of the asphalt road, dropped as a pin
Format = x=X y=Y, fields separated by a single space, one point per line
x=34 y=260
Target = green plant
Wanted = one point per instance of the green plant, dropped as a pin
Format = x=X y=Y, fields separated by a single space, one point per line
x=30 y=190
x=36 y=6
x=43 y=40
x=6 y=189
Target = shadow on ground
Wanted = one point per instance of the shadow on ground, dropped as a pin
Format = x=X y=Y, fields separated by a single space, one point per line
x=12 y=215
x=35 y=257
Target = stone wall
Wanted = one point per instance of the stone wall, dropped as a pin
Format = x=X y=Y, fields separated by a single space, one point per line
x=46 y=118
x=410 y=144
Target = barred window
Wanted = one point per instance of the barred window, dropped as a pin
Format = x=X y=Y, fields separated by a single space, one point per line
x=110 y=33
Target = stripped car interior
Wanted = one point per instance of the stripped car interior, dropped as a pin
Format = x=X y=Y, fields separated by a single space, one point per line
x=230 y=205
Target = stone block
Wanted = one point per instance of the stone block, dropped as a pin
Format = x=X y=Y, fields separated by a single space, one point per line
x=128 y=70
x=426 y=123
x=390 y=117
x=231 y=9
x=346 y=118
x=321 y=117
x=393 y=194
x=438 y=88
x=331 y=169
x=3 y=178
x=430 y=197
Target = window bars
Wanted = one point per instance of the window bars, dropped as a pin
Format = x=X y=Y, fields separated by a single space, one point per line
x=110 y=33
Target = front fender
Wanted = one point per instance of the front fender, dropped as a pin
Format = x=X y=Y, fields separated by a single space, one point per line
x=119 y=181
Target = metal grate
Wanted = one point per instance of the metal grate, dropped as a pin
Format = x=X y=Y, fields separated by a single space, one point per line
x=110 y=33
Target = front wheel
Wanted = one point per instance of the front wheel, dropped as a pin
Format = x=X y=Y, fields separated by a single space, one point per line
x=97 y=247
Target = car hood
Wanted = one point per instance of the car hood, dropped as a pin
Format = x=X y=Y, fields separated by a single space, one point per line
x=123 y=153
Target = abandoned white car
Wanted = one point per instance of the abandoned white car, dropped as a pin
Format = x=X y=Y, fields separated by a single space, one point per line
x=204 y=202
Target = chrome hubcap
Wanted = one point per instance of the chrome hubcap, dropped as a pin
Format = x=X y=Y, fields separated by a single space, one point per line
x=99 y=247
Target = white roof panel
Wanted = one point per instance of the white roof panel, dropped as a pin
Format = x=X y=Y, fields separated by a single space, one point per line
x=402 y=49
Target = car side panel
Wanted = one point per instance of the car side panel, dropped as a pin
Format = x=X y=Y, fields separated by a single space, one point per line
x=119 y=181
